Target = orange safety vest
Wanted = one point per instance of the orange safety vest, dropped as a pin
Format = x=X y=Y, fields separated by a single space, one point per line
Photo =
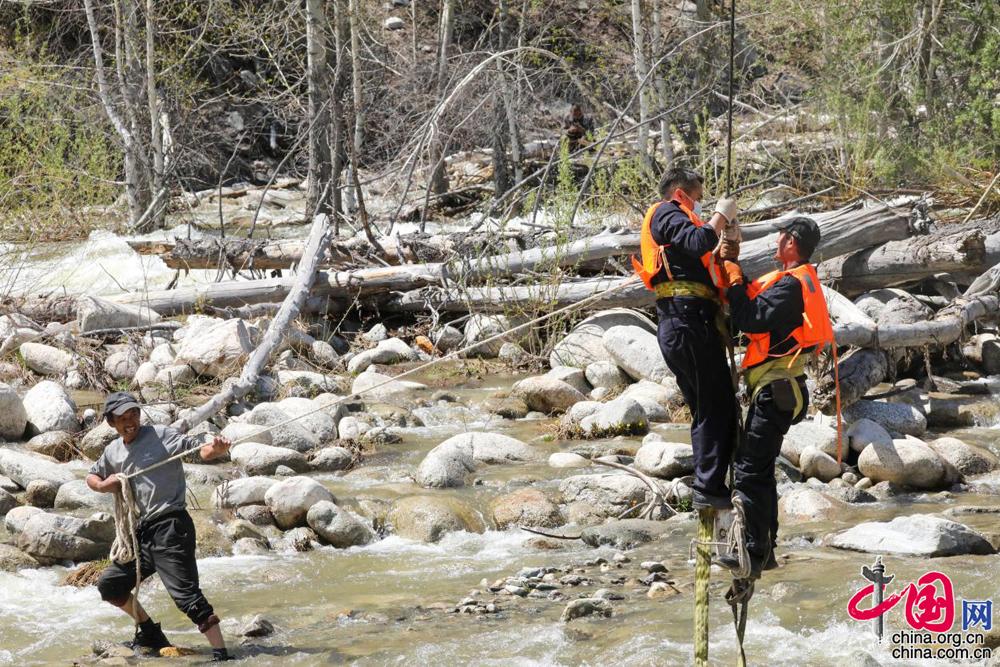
x=654 y=255
x=816 y=329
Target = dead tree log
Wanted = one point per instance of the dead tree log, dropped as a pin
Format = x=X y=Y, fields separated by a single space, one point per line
x=905 y=262
x=319 y=239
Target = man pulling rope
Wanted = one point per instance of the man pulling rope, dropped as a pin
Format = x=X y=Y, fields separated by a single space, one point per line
x=155 y=533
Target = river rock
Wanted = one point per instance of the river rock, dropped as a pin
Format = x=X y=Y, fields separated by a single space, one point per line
x=808 y=434
x=122 y=365
x=13 y=418
x=625 y=533
x=804 y=504
x=41 y=493
x=607 y=375
x=23 y=467
x=57 y=444
x=964 y=458
x=13 y=559
x=984 y=349
x=55 y=538
x=49 y=408
x=919 y=535
x=340 y=527
x=7 y=502
x=567 y=460
x=258 y=459
x=163 y=355
x=176 y=375
x=482 y=327
x=429 y=518
x=290 y=435
x=547 y=394
x=240 y=492
x=447 y=338
x=864 y=432
x=818 y=464
x=389 y=351
x=622 y=416
x=331 y=459
x=376 y=386
x=145 y=374
x=239 y=431
x=334 y=405
x=637 y=353
x=582 y=607
x=448 y=464
x=513 y=354
x=907 y=462
x=258 y=626
x=77 y=495
x=15 y=330
x=376 y=334
x=353 y=427
x=290 y=500
x=525 y=507
x=591 y=497
x=666 y=460
x=309 y=383
x=214 y=347
x=95 y=313
x=96 y=439
x=584 y=345
x=45 y=359
x=258 y=515
x=16 y=517
x=578 y=412
x=654 y=397
x=310 y=416
x=574 y=377
x=898 y=417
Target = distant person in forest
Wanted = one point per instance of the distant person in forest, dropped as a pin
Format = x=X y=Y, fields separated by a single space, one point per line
x=577 y=126
x=165 y=532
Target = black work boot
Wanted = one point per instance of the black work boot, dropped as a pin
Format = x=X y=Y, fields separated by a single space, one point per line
x=221 y=655
x=732 y=563
x=770 y=563
x=149 y=637
x=701 y=500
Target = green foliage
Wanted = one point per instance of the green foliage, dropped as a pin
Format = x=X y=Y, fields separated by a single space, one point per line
x=56 y=155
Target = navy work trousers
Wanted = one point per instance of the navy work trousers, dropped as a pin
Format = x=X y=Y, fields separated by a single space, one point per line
x=693 y=349
x=754 y=481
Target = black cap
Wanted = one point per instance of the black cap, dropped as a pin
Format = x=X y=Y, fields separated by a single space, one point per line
x=119 y=403
x=805 y=230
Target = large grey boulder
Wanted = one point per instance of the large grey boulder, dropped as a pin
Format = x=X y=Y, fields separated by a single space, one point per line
x=574 y=377
x=592 y=498
x=622 y=416
x=311 y=416
x=637 y=352
x=95 y=313
x=56 y=538
x=448 y=464
x=45 y=359
x=7 y=502
x=77 y=495
x=584 y=345
x=309 y=383
x=23 y=468
x=17 y=517
x=429 y=518
x=340 y=527
x=818 y=464
x=547 y=394
x=919 y=535
x=15 y=330
x=49 y=408
x=214 y=347
x=864 y=432
x=372 y=386
x=479 y=328
x=525 y=507
x=966 y=459
x=389 y=351
x=809 y=434
x=242 y=491
x=804 y=504
x=258 y=459
x=13 y=418
x=57 y=444
x=290 y=500
x=331 y=459
x=665 y=459
x=238 y=432
x=898 y=417
x=123 y=364
x=96 y=439
x=654 y=397
x=284 y=433
x=163 y=355
x=907 y=462
x=606 y=374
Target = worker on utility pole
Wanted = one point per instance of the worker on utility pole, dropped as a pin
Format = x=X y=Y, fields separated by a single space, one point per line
x=682 y=263
x=785 y=317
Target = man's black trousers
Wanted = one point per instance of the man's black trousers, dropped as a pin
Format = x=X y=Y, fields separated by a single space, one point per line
x=754 y=481
x=693 y=348
x=167 y=547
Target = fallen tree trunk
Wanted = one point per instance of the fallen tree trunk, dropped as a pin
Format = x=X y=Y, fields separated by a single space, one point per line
x=319 y=239
x=904 y=262
x=882 y=344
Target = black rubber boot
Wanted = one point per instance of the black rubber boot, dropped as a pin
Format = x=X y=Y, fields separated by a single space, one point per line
x=701 y=500
x=770 y=563
x=150 y=637
x=221 y=655
x=732 y=563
